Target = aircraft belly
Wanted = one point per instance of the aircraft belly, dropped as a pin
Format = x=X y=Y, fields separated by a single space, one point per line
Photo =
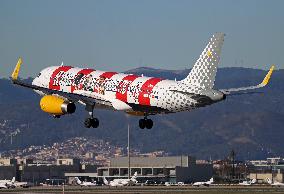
x=148 y=109
x=104 y=106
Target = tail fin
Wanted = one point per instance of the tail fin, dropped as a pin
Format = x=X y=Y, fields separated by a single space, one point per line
x=78 y=180
x=268 y=181
x=253 y=181
x=204 y=70
x=134 y=176
x=105 y=181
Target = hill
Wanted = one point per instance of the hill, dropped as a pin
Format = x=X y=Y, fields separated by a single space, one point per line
x=250 y=124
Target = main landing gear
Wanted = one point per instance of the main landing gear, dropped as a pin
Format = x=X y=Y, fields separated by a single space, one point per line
x=91 y=122
x=148 y=123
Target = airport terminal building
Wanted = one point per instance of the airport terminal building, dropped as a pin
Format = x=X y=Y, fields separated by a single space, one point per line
x=165 y=169
x=25 y=170
x=159 y=169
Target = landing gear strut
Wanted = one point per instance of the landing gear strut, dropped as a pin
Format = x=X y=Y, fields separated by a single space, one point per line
x=91 y=122
x=148 y=123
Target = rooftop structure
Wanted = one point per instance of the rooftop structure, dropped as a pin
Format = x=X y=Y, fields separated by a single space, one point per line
x=168 y=161
x=167 y=169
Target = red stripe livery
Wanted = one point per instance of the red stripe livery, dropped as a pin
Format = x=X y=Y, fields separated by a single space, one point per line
x=55 y=77
x=84 y=72
x=146 y=90
x=123 y=86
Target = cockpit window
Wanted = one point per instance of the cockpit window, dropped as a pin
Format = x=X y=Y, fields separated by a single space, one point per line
x=39 y=75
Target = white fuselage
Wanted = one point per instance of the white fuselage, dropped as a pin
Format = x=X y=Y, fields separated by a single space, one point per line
x=127 y=92
x=7 y=183
x=88 y=184
x=121 y=182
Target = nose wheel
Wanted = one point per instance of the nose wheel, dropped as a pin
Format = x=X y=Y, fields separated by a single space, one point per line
x=146 y=123
x=92 y=121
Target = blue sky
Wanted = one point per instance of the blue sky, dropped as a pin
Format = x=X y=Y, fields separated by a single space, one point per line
x=123 y=34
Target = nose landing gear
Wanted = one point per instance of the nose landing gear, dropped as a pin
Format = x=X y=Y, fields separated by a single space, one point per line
x=91 y=122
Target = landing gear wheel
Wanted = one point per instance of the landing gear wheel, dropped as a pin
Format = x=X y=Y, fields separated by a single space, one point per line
x=142 y=123
x=149 y=123
x=91 y=122
x=88 y=123
x=95 y=122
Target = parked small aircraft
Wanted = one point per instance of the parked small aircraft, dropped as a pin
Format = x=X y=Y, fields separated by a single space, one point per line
x=250 y=182
x=8 y=183
x=84 y=183
x=207 y=183
x=3 y=186
x=274 y=183
x=121 y=182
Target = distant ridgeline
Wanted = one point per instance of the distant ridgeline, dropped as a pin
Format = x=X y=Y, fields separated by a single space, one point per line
x=252 y=125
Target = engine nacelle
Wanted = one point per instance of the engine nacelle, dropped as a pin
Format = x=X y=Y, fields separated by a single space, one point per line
x=56 y=106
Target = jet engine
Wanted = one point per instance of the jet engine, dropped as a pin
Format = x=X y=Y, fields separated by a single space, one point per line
x=56 y=106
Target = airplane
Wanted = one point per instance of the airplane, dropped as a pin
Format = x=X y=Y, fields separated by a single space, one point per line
x=63 y=86
x=3 y=186
x=207 y=183
x=274 y=183
x=8 y=183
x=247 y=183
x=22 y=184
x=174 y=184
x=85 y=184
x=121 y=182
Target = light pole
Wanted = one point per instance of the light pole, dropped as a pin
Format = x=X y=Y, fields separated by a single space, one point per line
x=233 y=155
x=128 y=150
x=14 y=133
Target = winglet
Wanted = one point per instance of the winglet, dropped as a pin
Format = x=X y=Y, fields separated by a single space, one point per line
x=242 y=89
x=267 y=77
x=15 y=73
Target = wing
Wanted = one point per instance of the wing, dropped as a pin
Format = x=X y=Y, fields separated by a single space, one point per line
x=74 y=97
x=246 y=90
